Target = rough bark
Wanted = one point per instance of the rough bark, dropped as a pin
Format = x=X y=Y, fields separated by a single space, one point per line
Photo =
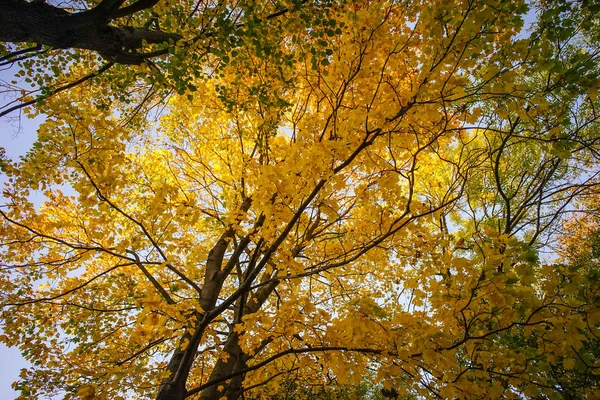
x=236 y=359
x=44 y=24
x=174 y=387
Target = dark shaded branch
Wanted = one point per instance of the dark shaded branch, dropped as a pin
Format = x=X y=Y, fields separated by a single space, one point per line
x=10 y=57
x=149 y=276
x=269 y=360
x=79 y=81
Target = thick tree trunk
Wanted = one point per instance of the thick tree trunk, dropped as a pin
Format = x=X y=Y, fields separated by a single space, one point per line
x=172 y=391
x=174 y=387
x=41 y=23
x=236 y=361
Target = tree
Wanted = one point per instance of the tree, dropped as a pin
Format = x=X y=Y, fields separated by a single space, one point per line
x=124 y=42
x=358 y=191
x=574 y=377
x=48 y=25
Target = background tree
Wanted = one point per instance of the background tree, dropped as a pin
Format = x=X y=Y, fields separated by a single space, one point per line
x=360 y=192
x=573 y=377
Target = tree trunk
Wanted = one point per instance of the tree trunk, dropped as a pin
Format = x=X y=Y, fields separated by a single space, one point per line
x=236 y=361
x=41 y=23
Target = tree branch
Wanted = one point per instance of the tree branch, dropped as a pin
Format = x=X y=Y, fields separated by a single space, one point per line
x=79 y=81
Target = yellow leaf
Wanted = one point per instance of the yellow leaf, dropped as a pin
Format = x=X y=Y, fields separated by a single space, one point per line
x=568 y=363
x=86 y=392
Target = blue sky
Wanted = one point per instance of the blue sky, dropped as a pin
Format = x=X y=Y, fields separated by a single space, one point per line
x=16 y=137
x=16 y=142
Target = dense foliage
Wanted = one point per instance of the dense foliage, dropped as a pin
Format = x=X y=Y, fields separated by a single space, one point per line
x=308 y=199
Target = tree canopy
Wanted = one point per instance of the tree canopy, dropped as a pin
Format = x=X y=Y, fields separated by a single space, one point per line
x=303 y=199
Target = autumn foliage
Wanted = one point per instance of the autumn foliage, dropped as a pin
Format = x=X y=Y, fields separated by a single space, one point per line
x=351 y=198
